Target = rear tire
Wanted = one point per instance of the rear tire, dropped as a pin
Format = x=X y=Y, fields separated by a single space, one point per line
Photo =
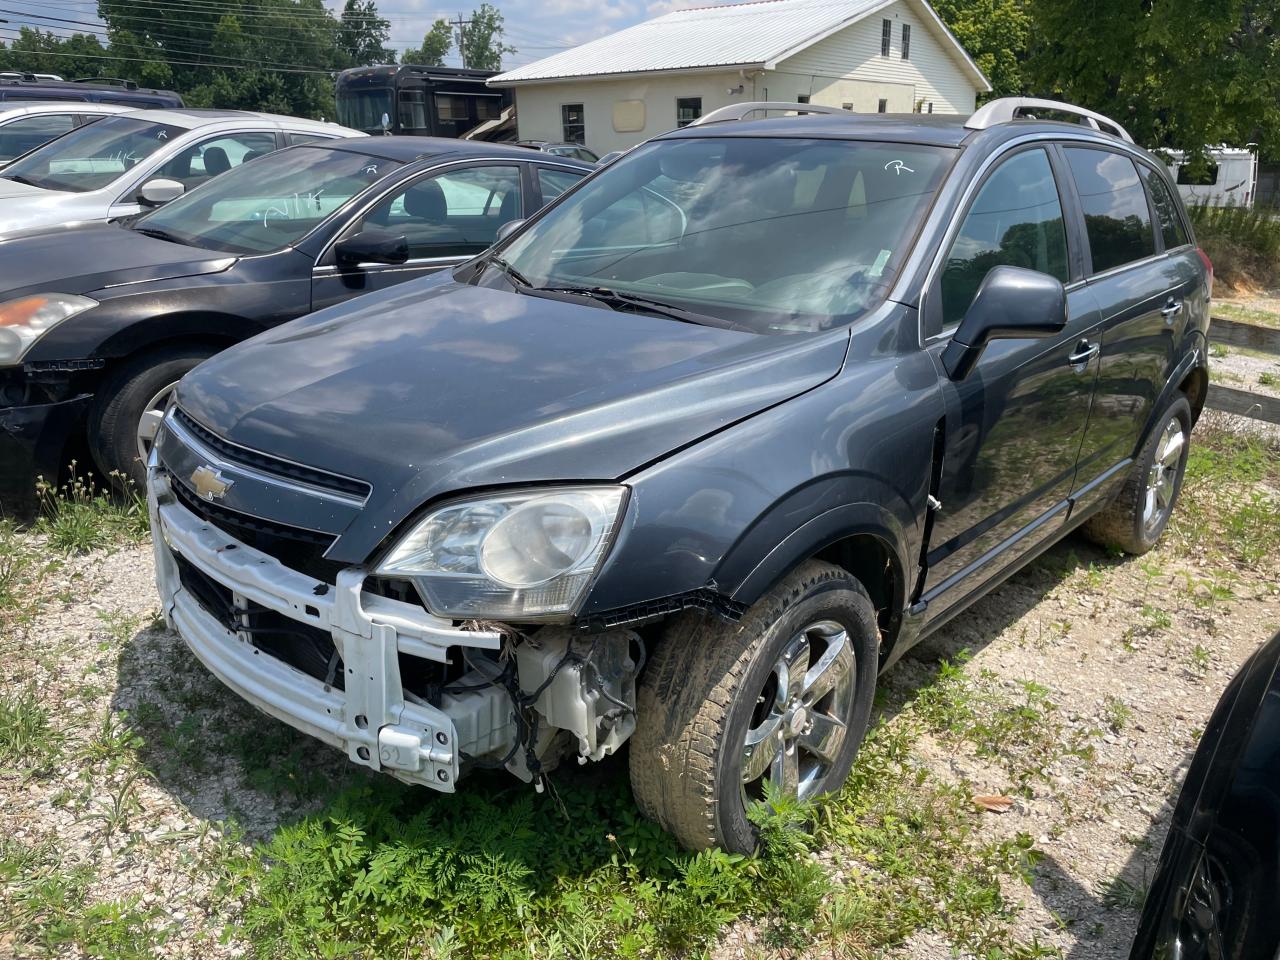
x=129 y=393
x=722 y=708
x=1136 y=518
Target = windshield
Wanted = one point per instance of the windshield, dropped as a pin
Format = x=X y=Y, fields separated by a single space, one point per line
x=364 y=109
x=268 y=204
x=775 y=235
x=92 y=156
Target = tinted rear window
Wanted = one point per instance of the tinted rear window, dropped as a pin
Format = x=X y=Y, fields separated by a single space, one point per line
x=1116 y=214
x=1171 y=226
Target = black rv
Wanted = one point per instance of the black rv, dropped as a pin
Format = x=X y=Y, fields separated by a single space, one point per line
x=422 y=101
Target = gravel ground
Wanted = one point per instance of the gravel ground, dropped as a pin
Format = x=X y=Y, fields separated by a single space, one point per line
x=1159 y=636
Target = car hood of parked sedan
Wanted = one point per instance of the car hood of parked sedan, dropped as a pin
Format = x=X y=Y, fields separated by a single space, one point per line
x=432 y=389
x=90 y=258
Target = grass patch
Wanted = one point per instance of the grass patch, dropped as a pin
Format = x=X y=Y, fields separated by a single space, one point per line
x=28 y=739
x=1225 y=508
x=1016 y=725
x=1231 y=311
x=80 y=516
x=44 y=905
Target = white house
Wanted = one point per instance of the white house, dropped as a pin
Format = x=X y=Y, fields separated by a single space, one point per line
x=893 y=56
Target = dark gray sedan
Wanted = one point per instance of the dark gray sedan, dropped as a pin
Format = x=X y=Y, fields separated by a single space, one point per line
x=97 y=324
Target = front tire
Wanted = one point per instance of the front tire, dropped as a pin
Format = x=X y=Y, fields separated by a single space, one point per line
x=128 y=408
x=783 y=696
x=1136 y=519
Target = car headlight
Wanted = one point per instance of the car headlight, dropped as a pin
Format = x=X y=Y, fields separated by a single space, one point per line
x=524 y=555
x=24 y=321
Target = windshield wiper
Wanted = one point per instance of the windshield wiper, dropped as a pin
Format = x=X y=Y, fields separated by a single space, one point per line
x=618 y=300
x=159 y=234
x=515 y=275
x=19 y=178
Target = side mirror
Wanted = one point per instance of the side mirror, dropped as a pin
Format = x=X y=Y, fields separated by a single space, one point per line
x=159 y=191
x=507 y=229
x=1013 y=303
x=372 y=246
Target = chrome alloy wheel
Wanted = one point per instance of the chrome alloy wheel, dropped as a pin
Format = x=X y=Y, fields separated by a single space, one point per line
x=797 y=727
x=152 y=417
x=1162 y=479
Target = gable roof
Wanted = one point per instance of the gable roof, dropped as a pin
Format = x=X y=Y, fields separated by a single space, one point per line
x=756 y=34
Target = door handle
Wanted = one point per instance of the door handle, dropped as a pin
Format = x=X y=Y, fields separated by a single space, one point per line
x=1084 y=352
x=1172 y=310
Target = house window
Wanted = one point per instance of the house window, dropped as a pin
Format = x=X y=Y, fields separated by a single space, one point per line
x=906 y=41
x=802 y=98
x=847 y=106
x=883 y=107
x=573 y=123
x=688 y=109
x=931 y=106
x=886 y=36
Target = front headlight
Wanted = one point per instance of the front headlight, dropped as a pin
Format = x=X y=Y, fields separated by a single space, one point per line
x=24 y=321
x=529 y=554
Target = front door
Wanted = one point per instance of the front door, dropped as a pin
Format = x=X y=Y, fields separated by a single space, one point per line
x=1014 y=425
x=446 y=217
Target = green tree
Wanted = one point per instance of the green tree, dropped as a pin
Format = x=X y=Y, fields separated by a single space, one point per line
x=1177 y=73
x=996 y=33
x=482 y=46
x=362 y=35
x=80 y=55
x=435 y=46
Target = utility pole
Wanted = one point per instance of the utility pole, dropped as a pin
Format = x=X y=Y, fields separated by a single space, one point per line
x=462 y=38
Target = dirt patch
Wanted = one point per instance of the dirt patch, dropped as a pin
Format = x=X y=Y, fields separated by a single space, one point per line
x=1121 y=661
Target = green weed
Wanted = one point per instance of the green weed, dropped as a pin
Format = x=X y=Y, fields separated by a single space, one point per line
x=81 y=516
x=27 y=737
x=1117 y=714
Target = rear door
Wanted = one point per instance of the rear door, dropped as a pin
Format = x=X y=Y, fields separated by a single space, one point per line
x=447 y=216
x=1141 y=289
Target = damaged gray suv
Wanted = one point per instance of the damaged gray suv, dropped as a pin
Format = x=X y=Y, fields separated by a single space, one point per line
x=684 y=461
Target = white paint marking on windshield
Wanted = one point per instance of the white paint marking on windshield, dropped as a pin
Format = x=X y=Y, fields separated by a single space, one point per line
x=898 y=167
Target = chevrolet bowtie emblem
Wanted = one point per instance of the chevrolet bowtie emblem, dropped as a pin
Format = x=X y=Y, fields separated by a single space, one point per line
x=209 y=484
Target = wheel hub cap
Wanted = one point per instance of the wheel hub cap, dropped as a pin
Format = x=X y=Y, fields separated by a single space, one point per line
x=149 y=422
x=798 y=727
x=1162 y=478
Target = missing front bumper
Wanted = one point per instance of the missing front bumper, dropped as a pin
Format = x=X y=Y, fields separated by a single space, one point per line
x=370 y=719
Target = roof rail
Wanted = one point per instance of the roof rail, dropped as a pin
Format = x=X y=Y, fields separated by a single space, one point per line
x=108 y=82
x=1013 y=108
x=741 y=111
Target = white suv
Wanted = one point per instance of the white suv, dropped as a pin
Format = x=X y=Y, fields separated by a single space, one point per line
x=122 y=165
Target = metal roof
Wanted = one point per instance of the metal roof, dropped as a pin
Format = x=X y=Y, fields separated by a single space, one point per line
x=753 y=34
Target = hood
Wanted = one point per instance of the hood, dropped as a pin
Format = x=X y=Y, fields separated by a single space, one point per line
x=107 y=255
x=432 y=389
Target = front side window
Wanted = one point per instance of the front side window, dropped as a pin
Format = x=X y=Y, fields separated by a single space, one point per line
x=1171 y=226
x=93 y=156
x=573 y=123
x=27 y=133
x=1116 y=216
x=209 y=158
x=413 y=110
x=1015 y=220
x=772 y=235
x=267 y=205
x=454 y=214
x=688 y=109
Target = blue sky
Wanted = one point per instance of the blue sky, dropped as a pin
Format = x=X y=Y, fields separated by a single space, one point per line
x=537 y=28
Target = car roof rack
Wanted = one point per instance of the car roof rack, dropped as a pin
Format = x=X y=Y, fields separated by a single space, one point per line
x=1007 y=109
x=741 y=111
x=108 y=82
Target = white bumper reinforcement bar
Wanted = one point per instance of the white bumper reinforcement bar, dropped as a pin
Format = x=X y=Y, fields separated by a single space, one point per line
x=370 y=719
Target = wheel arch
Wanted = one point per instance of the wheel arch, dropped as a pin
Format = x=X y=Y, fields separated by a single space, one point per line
x=203 y=328
x=863 y=539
